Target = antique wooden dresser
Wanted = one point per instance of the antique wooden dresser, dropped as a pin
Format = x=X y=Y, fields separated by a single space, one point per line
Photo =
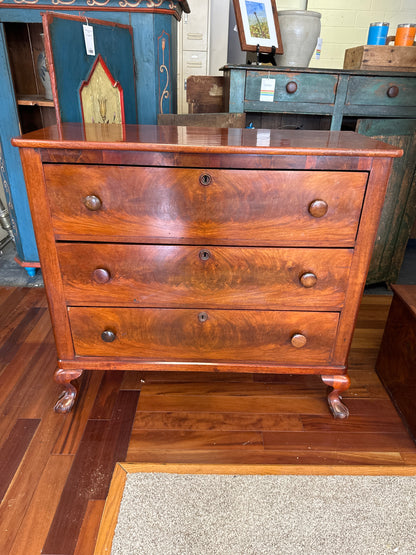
x=180 y=248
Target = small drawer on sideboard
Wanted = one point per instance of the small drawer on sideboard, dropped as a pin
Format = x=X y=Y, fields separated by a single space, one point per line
x=194 y=206
x=195 y=335
x=188 y=276
x=381 y=91
x=293 y=87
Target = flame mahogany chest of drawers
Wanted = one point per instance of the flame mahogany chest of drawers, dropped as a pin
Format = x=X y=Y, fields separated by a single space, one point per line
x=179 y=248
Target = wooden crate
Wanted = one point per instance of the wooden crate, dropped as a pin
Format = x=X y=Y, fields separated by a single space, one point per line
x=381 y=58
x=221 y=119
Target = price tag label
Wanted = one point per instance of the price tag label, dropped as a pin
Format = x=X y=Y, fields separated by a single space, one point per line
x=89 y=40
x=267 y=90
x=263 y=137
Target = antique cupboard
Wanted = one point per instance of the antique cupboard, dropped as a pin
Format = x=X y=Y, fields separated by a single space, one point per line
x=23 y=106
x=379 y=104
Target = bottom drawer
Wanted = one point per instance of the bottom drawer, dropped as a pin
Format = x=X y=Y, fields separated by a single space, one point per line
x=193 y=335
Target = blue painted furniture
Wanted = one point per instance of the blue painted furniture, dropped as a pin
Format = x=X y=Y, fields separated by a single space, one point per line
x=153 y=23
x=374 y=103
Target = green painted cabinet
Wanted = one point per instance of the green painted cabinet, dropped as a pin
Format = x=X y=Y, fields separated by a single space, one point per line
x=377 y=104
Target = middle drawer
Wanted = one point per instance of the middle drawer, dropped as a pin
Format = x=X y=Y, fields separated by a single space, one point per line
x=188 y=276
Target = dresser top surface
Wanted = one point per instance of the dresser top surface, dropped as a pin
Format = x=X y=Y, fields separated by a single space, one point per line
x=154 y=138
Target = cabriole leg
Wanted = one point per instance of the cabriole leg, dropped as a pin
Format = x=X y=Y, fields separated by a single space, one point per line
x=67 y=397
x=339 y=384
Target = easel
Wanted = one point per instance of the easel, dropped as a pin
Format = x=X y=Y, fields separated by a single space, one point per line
x=266 y=58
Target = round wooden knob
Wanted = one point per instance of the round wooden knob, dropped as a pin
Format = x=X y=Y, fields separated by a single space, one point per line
x=101 y=275
x=308 y=279
x=291 y=87
x=298 y=340
x=392 y=91
x=318 y=208
x=108 y=336
x=92 y=202
x=205 y=179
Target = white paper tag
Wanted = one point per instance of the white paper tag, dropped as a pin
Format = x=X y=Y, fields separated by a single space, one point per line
x=263 y=137
x=267 y=90
x=318 y=48
x=89 y=40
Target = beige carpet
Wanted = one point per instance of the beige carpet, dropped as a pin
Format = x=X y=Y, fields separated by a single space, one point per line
x=198 y=514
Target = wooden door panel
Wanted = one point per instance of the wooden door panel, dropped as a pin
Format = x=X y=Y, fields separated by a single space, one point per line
x=69 y=64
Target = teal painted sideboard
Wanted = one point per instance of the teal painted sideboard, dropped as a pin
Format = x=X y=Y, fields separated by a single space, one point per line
x=154 y=26
x=377 y=104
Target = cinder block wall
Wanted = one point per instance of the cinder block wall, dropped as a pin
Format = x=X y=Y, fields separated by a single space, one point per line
x=344 y=23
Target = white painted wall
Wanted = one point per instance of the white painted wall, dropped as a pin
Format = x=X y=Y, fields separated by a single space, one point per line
x=344 y=23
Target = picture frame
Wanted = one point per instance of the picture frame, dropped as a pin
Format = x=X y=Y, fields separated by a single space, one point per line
x=258 y=24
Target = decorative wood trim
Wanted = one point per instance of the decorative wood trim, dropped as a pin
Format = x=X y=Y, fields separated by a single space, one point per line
x=103 y=363
x=166 y=7
x=26 y=264
x=163 y=47
x=114 y=83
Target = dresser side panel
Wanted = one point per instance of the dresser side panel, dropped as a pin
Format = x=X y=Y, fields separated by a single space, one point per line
x=370 y=216
x=34 y=177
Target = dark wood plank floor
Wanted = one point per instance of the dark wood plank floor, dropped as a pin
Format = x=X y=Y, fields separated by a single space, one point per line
x=55 y=469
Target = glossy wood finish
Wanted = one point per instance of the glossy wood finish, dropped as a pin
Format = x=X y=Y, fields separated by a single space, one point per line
x=211 y=214
x=339 y=384
x=215 y=277
x=150 y=138
x=161 y=205
x=197 y=418
x=396 y=363
x=220 y=335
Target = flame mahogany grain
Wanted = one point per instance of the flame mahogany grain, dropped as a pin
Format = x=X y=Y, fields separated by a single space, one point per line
x=285 y=221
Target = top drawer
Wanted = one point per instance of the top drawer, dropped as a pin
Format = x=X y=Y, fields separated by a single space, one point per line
x=190 y=206
x=294 y=87
x=381 y=91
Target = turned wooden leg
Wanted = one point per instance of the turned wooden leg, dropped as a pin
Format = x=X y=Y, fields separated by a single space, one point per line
x=339 y=384
x=67 y=397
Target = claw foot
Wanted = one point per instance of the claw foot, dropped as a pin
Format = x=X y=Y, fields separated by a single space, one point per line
x=67 y=398
x=339 y=384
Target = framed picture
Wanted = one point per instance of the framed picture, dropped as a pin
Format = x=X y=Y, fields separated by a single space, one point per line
x=258 y=24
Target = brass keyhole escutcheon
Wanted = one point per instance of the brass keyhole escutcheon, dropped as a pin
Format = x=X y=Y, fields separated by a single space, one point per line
x=205 y=179
x=108 y=336
x=202 y=317
x=92 y=202
x=204 y=254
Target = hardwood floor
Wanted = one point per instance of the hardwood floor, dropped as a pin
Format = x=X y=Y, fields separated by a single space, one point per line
x=55 y=470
